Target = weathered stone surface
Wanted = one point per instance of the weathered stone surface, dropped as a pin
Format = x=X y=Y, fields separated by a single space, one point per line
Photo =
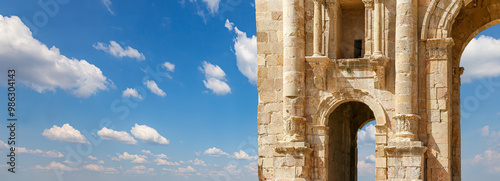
x=327 y=67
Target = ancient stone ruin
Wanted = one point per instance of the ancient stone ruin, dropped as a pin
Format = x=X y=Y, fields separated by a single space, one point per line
x=327 y=67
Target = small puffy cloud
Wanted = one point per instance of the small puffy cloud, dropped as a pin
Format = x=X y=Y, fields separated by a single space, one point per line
x=139 y=170
x=148 y=152
x=100 y=162
x=243 y=156
x=215 y=79
x=51 y=154
x=252 y=167
x=229 y=25
x=212 y=5
x=215 y=152
x=43 y=68
x=117 y=50
x=154 y=88
x=148 y=135
x=489 y=159
x=55 y=166
x=367 y=135
x=365 y=168
x=130 y=92
x=245 y=49
x=107 y=3
x=90 y=157
x=370 y=158
x=168 y=66
x=127 y=156
x=160 y=161
x=197 y=162
x=485 y=131
x=232 y=169
x=99 y=168
x=122 y=136
x=66 y=133
x=481 y=58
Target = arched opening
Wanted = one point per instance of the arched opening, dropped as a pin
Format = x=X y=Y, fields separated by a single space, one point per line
x=343 y=125
x=472 y=95
x=366 y=151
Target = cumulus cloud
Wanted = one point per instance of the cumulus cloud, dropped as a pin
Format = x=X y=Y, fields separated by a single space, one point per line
x=66 y=133
x=481 y=58
x=367 y=135
x=45 y=69
x=197 y=162
x=117 y=50
x=100 y=168
x=168 y=66
x=127 y=156
x=188 y=169
x=244 y=156
x=154 y=88
x=55 y=166
x=252 y=167
x=100 y=162
x=245 y=49
x=160 y=161
x=365 y=168
x=107 y=3
x=130 y=92
x=489 y=159
x=229 y=25
x=52 y=154
x=215 y=152
x=148 y=135
x=139 y=170
x=212 y=5
x=215 y=79
x=122 y=136
x=148 y=152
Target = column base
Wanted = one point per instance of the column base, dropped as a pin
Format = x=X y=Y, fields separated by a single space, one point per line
x=405 y=160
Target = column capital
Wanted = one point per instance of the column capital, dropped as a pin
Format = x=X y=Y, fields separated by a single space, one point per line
x=406 y=127
x=368 y=3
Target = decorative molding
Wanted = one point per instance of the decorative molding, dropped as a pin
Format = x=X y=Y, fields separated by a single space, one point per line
x=368 y=3
x=406 y=127
x=439 y=49
x=319 y=65
x=295 y=129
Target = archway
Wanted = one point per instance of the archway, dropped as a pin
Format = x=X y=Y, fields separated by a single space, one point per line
x=470 y=20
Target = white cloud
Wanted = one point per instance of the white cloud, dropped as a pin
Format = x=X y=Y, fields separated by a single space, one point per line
x=246 y=55
x=232 y=169
x=197 y=162
x=55 y=166
x=168 y=66
x=148 y=152
x=122 y=136
x=45 y=69
x=100 y=168
x=244 y=156
x=370 y=158
x=252 y=167
x=215 y=79
x=66 y=133
x=3 y=145
x=160 y=161
x=117 y=50
x=139 y=170
x=52 y=154
x=148 y=135
x=92 y=157
x=367 y=135
x=154 y=88
x=127 y=156
x=490 y=159
x=215 y=152
x=365 y=168
x=485 y=131
x=107 y=3
x=100 y=162
x=130 y=92
x=481 y=58
x=229 y=25
x=212 y=5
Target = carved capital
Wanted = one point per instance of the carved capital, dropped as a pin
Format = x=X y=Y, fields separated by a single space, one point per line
x=295 y=129
x=319 y=65
x=458 y=71
x=406 y=127
x=368 y=3
x=380 y=64
x=439 y=48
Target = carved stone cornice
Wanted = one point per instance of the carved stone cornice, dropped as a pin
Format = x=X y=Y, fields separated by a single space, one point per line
x=319 y=65
x=297 y=148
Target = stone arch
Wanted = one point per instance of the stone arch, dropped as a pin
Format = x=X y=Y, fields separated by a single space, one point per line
x=328 y=104
x=439 y=17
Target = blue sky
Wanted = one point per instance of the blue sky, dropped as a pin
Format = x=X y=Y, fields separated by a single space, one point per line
x=174 y=84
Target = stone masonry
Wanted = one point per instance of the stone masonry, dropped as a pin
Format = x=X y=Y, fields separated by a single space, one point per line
x=328 y=67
